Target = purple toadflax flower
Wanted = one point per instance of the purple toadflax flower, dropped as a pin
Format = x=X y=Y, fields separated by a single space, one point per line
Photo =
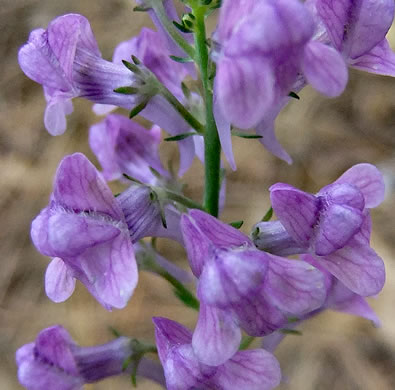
x=66 y=60
x=338 y=298
x=150 y=47
x=55 y=362
x=357 y=29
x=261 y=49
x=333 y=225
x=85 y=230
x=240 y=286
x=247 y=370
x=124 y=146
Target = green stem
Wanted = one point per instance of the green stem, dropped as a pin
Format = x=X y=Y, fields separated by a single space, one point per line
x=160 y=12
x=179 y=198
x=179 y=107
x=212 y=146
x=193 y=302
x=246 y=342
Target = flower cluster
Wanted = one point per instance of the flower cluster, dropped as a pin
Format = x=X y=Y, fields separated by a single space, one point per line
x=261 y=54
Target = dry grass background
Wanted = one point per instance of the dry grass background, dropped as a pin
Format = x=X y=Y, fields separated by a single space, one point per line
x=325 y=137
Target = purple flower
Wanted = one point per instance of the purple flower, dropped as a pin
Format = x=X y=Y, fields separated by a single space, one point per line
x=334 y=225
x=338 y=298
x=66 y=60
x=357 y=29
x=124 y=146
x=261 y=50
x=145 y=215
x=85 y=230
x=247 y=370
x=240 y=286
x=55 y=362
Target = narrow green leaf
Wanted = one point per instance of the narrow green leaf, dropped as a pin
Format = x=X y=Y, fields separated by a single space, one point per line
x=185 y=90
x=268 y=216
x=292 y=332
x=140 y=9
x=182 y=60
x=245 y=135
x=294 y=95
x=126 y=176
x=127 y=90
x=180 y=137
x=182 y=27
x=135 y=60
x=116 y=333
x=132 y=67
x=186 y=298
x=136 y=110
x=237 y=224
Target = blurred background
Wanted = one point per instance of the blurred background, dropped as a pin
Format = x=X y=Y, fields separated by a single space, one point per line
x=324 y=137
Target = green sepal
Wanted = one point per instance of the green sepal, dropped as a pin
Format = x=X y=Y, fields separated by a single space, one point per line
x=181 y=60
x=136 y=110
x=186 y=298
x=294 y=95
x=237 y=224
x=140 y=9
x=245 y=135
x=180 y=137
x=293 y=332
x=268 y=216
x=127 y=90
x=182 y=27
x=132 y=67
x=126 y=176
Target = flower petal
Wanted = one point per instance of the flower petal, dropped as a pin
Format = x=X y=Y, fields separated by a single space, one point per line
x=379 y=60
x=355 y=27
x=368 y=179
x=216 y=337
x=59 y=281
x=80 y=187
x=232 y=277
x=250 y=370
x=324 y=68
x=357 y=266
x=244 y=88
x=293 y=286
x=169 y=333
x=297 y=211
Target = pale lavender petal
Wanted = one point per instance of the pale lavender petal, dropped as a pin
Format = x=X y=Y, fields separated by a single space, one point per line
x=294 y=286
x=297 y=211
x=344 y=300
x=103 y=109
x=355 y=27
x=223 y=128
x=368 y=179
x=379 y=60
x=80 y=187
x=63 y=234
x=357 y=266
x=258 y=317
x=338 y=223
x=216 y=337
x=39 y=63
x=169 y=333
x=64 y=34
x=244 y=89
x=273 y=340
x=324 y=68
x=232 y=277
x=218 y=232
x=59 y=281
x=265 y=128
x=250 y=370
x=55 y=114
x=36 y=374
x=110 y=271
